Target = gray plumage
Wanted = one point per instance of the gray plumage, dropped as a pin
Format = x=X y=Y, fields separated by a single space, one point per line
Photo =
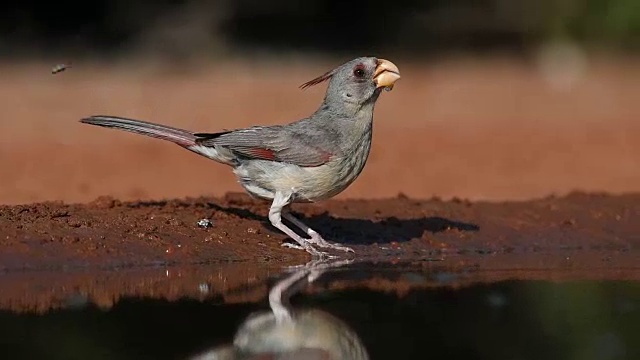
x=311 y=159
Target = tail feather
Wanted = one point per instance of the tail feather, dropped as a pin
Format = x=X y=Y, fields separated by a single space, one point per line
x=181 y=137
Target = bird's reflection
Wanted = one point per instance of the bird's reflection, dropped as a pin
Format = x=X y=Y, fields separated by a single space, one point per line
x=285 y=333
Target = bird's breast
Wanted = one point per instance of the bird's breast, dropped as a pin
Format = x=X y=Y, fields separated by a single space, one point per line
x=335 y=176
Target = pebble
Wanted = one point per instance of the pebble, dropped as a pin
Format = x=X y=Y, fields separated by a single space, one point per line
x=205 y=223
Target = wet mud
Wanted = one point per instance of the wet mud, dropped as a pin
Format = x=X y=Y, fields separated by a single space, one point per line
x=55 y=254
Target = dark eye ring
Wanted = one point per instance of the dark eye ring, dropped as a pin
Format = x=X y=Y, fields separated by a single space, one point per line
x=358 y=72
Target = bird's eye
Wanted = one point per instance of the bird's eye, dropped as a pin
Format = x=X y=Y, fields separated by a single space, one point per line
x=358 y=72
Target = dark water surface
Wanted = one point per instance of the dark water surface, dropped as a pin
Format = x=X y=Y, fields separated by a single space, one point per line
x=537 y=319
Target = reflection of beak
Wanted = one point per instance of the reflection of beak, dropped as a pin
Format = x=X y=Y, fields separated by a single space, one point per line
x=386 y=74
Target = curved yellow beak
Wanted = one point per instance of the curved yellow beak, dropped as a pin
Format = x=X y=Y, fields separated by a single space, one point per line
x=386 y=74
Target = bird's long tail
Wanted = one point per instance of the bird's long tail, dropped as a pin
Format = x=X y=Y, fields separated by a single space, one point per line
x=181 y=137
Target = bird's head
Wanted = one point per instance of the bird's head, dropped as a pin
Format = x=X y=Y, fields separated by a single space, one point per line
x=357 y=82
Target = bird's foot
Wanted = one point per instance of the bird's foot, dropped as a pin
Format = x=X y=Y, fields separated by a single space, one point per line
x=320 y=241
x=310 y=249
x=292 y=246
x=319 y=264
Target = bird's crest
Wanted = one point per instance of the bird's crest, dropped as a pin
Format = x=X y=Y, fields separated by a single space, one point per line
x=324 y=77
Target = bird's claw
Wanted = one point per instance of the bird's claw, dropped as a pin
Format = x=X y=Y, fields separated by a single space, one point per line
x=318 y=240
x=292 y=246
x=341 y=248
x=326 y=256
x=319 y=264
x=320 y=255
x=311 y=250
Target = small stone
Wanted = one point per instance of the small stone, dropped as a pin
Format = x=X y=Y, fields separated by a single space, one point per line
x=105 y=202
x=60 y=214
x=74 y=223
x=205 y=223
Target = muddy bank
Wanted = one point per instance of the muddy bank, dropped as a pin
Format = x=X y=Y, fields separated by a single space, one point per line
x=110 y=233
x=55 y=254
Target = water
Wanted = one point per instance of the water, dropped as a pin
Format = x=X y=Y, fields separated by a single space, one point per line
x=386 y=310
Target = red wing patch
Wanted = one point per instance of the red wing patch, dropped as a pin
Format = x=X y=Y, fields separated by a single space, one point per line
x=261 y=153
x=314 y=159
x=326 y=156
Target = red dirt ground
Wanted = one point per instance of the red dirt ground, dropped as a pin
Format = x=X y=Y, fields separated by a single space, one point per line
x=484 y=130
x=51 y=251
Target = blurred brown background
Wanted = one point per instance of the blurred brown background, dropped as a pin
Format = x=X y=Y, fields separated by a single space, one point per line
x=499 y=99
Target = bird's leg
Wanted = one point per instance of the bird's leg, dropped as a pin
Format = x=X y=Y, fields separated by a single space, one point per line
x=282 y=291
x=315 y=237
x=280 y=201
x=279 y=296
x=320 y=268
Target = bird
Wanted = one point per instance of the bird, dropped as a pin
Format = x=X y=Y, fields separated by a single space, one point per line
x=307 y=160
x=287 y=332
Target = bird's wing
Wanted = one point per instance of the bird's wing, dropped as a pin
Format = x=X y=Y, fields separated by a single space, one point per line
x=273 y=143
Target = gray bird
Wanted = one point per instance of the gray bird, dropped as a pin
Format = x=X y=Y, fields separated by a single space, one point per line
x=288 y=333
x=311 y=159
